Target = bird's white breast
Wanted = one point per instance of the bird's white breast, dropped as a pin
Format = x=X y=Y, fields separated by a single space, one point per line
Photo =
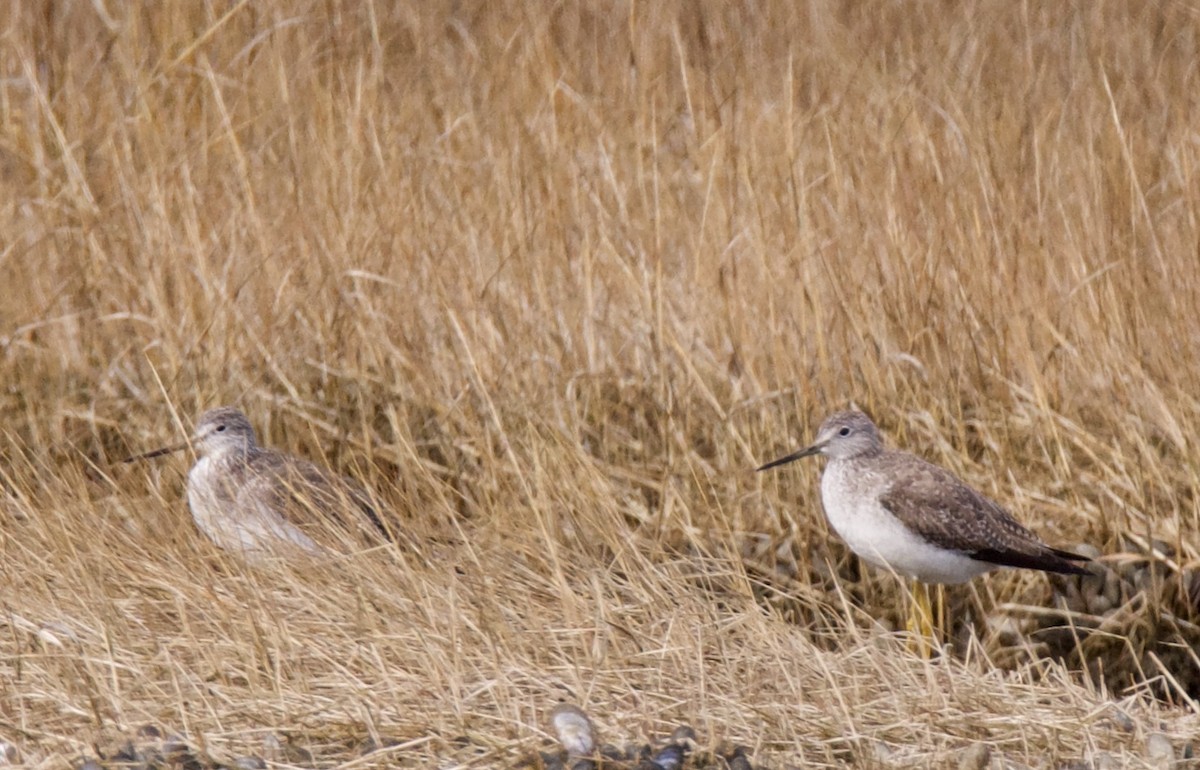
x=850 y=493
x=206 y=505
x=234 y=520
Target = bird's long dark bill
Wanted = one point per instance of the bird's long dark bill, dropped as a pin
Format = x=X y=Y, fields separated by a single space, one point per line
x=156 y=453
x=812 y=450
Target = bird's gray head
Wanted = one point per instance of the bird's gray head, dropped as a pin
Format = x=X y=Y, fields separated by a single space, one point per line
x=223 y=430
x=843 y=436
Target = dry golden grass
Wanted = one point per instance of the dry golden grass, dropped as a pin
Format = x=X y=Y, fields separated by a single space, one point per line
x=553 y=280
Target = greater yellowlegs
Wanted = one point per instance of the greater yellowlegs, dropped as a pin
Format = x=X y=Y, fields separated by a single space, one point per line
x=257 y=502
x=906 y=515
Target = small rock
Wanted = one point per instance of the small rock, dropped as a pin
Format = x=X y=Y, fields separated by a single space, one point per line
x=1098 y=605
x=126 y=755
x=1159 y=750
x=174 y=745
x=1191 y=587
x=297 y=755
x=1112 y=587
x=1123 y=721
x=9 y=754
x=739 y=760
x=1102 y=760
x=548 y=761
x=179 y=755
x=1070 y=595
x=670 y=758
x=684 y=736
x=976 y=757
x=609 y=751
x=249 y=763
x=90 y=764
x=574 y=729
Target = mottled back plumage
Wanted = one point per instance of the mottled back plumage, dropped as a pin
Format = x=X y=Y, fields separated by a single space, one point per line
x=945 y=511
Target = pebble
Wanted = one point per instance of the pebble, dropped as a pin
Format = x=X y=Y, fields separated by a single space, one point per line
x=175 y=745
x=576 y=734
x=1191 y=587
x=1102 y=760
x=9 y=754
x=684 y=736
x=574 y=729
x=126 y=755
x=545 y=761
x=609 y=751
x=1112 y=588
x=1159 y=750
x=1099 y=604
x=670 y=758
x=739 y=760
x=1123 y=721
x=977 y=757
x=249 y=763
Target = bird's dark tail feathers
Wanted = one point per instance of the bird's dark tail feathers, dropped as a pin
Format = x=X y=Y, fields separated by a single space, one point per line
x=1051 y=560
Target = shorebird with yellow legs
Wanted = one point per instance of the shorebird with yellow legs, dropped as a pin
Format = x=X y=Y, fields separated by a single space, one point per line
x=257 y=502
x=906 y=515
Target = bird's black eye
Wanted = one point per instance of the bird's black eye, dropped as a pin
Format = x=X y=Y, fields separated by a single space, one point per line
x=844 y=432
x=220 y=428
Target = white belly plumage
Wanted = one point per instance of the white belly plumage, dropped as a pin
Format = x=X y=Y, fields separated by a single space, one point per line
x=235 y=521
x=872 y=532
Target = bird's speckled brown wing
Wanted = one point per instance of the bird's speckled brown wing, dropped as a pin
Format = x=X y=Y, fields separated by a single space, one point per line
x=936 y=505
x=313 y=498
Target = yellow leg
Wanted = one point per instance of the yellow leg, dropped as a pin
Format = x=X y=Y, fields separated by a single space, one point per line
x=923 y=633
x=943 y=627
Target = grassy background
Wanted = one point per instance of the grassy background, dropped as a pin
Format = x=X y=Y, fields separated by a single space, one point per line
x=554 y=280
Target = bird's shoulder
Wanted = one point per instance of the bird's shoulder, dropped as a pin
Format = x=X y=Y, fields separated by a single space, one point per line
x=292 y=473
x=943 y=508
x=303 y=491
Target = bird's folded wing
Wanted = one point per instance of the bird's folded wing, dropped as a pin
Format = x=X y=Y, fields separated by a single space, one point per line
x=947 y=513
x=310 y=496
x=261 y=521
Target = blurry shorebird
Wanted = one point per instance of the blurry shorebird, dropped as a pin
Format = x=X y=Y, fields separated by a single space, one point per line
x=909 y=516
x=257 y=502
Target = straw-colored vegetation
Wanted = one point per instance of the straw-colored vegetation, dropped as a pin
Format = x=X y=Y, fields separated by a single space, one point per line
x=552 y=279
